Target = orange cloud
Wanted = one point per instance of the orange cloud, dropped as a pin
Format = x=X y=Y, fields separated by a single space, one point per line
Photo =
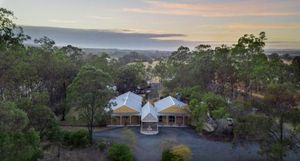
x=264 y=26
x=243 y=8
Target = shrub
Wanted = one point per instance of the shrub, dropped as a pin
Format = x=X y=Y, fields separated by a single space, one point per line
x=101 y=146
x=79 y=138
x=17 y=141
x=183 y=151
x=167 y=155
x=219 y=113
x=199 y=126
x=120 y=152
x=55 y=134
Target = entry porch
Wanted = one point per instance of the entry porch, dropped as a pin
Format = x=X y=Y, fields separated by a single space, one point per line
x=125 y=120
x=173 y=120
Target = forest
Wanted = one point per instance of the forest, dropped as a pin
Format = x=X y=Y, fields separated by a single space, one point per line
x=41 y=84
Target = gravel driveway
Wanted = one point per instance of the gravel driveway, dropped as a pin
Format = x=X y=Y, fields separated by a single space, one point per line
x=148 y=148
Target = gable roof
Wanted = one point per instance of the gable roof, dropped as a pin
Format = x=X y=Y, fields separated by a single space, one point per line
x=149 y=113
x=167 y=102
x=127 y=99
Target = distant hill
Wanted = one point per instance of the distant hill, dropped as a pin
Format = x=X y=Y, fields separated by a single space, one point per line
x=121 y=52
x=158 y=53
x=291 y=52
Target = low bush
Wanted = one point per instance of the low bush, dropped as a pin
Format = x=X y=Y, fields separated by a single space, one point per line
x=177 y=153
x=183 y=151
x=167 y=155
x=55 y=134
x=79 y=138
x=101 y=145
x=120 y=152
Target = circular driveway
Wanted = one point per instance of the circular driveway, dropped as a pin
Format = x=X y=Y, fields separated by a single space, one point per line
x=149 y=148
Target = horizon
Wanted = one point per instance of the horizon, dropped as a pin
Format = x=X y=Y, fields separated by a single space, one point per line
x=124 y=40
x=160 y=25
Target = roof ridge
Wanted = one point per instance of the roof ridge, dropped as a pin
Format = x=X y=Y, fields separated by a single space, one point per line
x=126 y=99
x=172 y=100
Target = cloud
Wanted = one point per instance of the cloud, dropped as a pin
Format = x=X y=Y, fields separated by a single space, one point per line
x=258 y=26
x=248 y=26
x=59 y=21
x=101 y=17
x=92 y=38
x=221 y=9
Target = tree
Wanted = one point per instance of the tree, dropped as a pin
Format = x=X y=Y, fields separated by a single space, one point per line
x=41 y=117
x=74 y=53
x=11 y=36
x=296 y=71
x=17 y=141
x=162 y=70
x=280 y=98
x=134 y=57
x=90 y=92
x=12 y=52
x=129 y=77
x=269 y=127
x=244 y=51
x=55 y=69
x=181 y=56
x=226 y=74
x=216 y=105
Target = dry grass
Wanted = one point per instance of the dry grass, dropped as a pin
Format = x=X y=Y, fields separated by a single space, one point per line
x=74 y=128
x=82 y=154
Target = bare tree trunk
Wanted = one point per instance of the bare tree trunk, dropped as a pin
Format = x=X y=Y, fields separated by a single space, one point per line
x=91 y=124
x=281 y=136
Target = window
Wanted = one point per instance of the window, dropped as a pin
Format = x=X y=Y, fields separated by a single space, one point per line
x=171 y=119
x=160 y=118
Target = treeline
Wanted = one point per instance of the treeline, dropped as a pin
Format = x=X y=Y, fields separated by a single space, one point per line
x=240 y=91
x=39 y=84
x=226 y=70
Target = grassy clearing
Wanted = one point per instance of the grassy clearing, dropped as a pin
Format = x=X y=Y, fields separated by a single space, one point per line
x=75 y=128
x=81 y=154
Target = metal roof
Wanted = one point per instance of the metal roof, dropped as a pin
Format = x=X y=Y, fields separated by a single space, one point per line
x=149 y=113
x=128 y=99
x=167 y=102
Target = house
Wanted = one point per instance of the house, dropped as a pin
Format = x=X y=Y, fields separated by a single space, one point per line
x=127 y=110
x=171 y=112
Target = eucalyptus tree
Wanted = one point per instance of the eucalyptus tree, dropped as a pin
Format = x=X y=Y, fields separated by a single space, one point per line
x=17 y=140
x=130 y=76
x=244 y=51
x=90 y=92
x=275 y=126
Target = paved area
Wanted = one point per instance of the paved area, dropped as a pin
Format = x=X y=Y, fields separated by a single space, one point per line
x=148 y=148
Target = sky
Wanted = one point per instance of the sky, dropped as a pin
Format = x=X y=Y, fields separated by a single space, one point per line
x=158 y=24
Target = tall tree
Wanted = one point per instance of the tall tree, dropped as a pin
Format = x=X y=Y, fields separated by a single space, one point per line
x=129 y=77
x=11 y=36
x=90 y=92
x=273 y=126
x=244 y=51
x=280 y=98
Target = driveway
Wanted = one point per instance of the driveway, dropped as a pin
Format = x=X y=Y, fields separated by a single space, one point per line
x=148 y=148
